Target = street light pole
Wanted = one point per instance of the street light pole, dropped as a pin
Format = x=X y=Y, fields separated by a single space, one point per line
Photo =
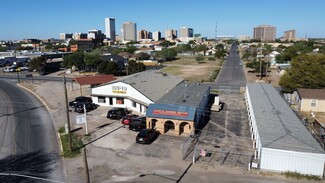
x=67 y=113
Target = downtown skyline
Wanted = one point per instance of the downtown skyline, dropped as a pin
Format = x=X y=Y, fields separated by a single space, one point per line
x=46 y=19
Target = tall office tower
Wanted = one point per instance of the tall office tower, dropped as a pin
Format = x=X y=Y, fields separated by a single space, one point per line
x=264 y=33
x=185 y=32
x=143 y=34
x=156 y=36
x=64 y=36
x=170 y=34
x=290 y=35
x=129 y=31
x=110 y=28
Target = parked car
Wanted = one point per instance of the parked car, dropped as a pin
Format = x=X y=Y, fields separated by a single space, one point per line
x=128 y=118
x=138 y=124
x=117 y=113
x=146 y=136
x=79 y=107
x=79 y=99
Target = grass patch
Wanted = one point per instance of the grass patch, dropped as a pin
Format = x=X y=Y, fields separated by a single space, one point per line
x=298 y=176
x=76 y=143
x=214 y=75
x=174 y=70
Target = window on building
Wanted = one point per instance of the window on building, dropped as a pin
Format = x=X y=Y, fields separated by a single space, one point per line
x=101 y=99
x=134 y=104
x=110 y=101
x=313 y=103
x=119 y=100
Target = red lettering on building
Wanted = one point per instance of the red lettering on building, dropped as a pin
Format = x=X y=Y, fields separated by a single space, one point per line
x=170 y=113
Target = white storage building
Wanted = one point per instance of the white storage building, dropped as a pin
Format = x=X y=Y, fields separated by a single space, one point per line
x=136 y=91
x=282 y=143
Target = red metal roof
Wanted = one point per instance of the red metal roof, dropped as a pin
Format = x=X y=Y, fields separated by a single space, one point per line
x=95 y=79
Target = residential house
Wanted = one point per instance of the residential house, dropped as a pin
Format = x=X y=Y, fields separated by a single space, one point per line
x=309 y=100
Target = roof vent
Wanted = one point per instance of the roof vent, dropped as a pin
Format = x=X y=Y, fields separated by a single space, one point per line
x=184 y=98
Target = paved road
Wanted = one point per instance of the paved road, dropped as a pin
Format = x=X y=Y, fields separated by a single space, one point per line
x=26 y=128
x=232 y=74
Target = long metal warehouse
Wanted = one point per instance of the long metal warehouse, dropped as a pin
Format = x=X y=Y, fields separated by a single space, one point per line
x=282 y=143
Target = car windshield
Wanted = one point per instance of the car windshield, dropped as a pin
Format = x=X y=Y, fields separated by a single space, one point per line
x=143 y=133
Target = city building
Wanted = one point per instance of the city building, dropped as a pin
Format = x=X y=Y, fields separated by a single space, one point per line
x=186 y=34
x=281 y=142
x=79 y=35
x=244 y=38
x=264 y=33
x=156 y=36
x=64 y=36
x=181 y=110
x=135 y=92
x=95 y=34
x=129 y=31
x=144 y=35
x=290 y=35
x=170 y=34
x=110 y=28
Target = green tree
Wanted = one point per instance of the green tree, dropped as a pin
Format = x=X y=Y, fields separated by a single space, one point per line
x=135 y=67
x=108 y=68
x=37 y=63
x=92 y=60
x=199 y=58
x=143 y=56
x=201 y=48
x=307 y=71
x=166 y=54
x=75 y=59
x=49 y=46
x=183 y=48
x=165 y=43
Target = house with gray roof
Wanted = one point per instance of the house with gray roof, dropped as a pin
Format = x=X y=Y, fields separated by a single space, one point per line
x=135 y=91
x=281 y=141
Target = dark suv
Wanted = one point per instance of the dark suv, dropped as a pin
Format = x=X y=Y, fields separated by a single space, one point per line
x=117 y=113
x=79 y=107
x=79 y=99
x=138 y=124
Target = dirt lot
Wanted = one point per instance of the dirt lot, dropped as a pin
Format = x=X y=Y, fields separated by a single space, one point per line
x=273 y=76
x=189 y=69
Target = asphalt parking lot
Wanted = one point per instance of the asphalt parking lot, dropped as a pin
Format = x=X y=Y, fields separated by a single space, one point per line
x=226 y=137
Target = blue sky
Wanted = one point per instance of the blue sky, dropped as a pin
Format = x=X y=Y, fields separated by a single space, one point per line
x=47 y=18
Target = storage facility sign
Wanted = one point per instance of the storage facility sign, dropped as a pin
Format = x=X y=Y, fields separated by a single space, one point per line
x=170 y=113
x=119 y=89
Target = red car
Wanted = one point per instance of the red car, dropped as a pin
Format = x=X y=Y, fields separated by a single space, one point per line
x=128 y=118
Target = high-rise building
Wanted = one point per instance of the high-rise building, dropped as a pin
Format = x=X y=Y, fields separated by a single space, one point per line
x=156 y=36
x=290 y=35
x=170 y=34
x=264 y=33
x=64 y=36
x=186 y=32
x=143 y=34
x=129 y=31
x=95 y=34
x=110 y=28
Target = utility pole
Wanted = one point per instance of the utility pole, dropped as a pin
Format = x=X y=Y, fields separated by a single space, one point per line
x=67 y=112
x=86 y=165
